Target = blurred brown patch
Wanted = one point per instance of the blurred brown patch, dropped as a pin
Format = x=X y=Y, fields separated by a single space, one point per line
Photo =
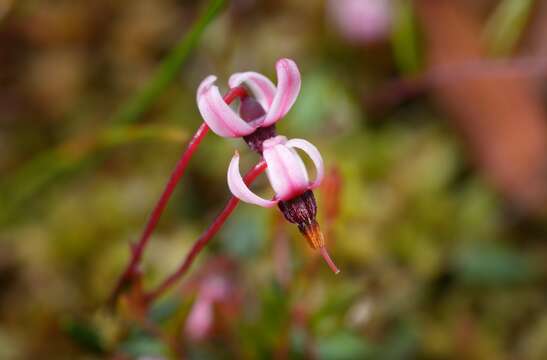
x=501 y=118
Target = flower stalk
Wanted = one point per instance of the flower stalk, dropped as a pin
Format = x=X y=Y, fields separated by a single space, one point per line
x=137 y=249
x=262 y=105
x=255 y=121
x=204 y=239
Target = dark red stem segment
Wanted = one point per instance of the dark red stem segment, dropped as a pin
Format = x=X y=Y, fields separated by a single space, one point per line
x=137 y=249
x=205 y=237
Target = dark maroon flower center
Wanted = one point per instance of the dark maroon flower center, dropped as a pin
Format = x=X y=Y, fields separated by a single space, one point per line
x=302 y=211
x=250 y=110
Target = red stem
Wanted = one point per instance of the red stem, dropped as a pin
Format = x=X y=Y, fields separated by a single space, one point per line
x=205 y=237
x=137 y=250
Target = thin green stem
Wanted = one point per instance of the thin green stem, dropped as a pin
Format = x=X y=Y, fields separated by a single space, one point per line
x=167 y=71
x=50 y=165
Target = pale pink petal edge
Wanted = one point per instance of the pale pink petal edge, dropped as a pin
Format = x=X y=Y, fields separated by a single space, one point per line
x=222 y=120
x=286 y=172
x=314 y=155
x=200 y=319
x=240 y=190
x=288 y=88
x=261 y=87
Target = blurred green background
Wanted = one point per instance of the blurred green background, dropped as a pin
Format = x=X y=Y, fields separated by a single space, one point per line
x=442 y=249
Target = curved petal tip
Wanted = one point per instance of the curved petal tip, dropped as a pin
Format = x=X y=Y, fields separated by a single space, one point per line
x=205 y=85
x=240 y=190
x=261 y=87
x=288 y=88
x=222 y=120
x=314 y=155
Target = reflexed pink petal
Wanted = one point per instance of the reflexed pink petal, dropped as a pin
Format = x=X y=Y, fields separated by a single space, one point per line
x=261 y=87
x=205 y=85
x=286 y=171
x=276 y=140
x=200 y=320
x=288 y=87
x=314 y=155
x=240 y=190
x=217 y=114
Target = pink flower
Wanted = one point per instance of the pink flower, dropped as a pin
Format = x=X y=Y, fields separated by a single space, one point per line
x=276 y=101
x=286 y=171
x=289 y=179
x=201 y=320
x=361 y=21
x=255 y=123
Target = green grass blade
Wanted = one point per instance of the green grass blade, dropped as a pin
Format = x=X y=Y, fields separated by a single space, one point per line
x=168 y=69
x=50 y=165
x=506 y=25
x=71 y=157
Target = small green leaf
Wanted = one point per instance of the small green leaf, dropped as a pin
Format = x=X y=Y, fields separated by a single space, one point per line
x=244 y=234
x=84 y=335
x=506 y=25
x=405 y=40
x=140 y=344
x=346 y=345
x=489 y=264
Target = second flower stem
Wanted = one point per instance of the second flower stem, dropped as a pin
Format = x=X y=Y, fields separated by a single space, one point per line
x=137 y=249
x=205 y=237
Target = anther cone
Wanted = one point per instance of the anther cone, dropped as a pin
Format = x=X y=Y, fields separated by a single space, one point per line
x=315 y=238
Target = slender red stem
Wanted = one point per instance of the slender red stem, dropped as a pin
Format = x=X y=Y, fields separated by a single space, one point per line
x=205 y=237
x=137 y=250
